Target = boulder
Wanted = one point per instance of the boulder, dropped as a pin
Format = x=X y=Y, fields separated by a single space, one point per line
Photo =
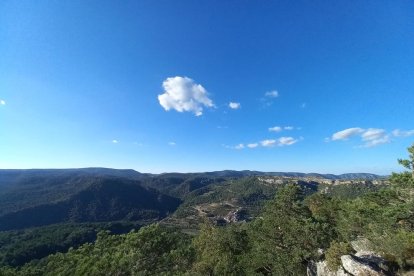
x=360 y=267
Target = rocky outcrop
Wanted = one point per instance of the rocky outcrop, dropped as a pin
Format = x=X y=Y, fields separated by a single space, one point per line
x=361 y=267
x=364 y=262
x=236 y=216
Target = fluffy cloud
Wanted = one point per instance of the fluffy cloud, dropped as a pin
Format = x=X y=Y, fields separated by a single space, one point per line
x=234 y=105
x=371 y=136
x=346 y=133
x=2 y=102
x=402 y=133
x=183 y=94
x=272 y=94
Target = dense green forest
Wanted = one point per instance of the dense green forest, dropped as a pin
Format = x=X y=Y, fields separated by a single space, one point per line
x=292 y=228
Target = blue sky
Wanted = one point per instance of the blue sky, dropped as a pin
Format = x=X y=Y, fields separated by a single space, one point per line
x=161 y=86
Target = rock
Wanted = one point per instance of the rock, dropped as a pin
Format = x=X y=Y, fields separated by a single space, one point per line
x=321 y=269
x=236 y=216
x=363 y=246
x=360 y=267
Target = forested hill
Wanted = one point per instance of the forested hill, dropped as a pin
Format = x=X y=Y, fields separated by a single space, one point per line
x=43 y=200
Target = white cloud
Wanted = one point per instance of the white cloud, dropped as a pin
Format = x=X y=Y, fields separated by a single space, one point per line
x=115 y=141
x=275 y=129
x=278 y=128
x=268 y=143
x=183 y=94
x=272 y=94
x=2 y=102
x=303 y=105
x=282 y=141
x=402 y=133
x=252 y=145
x=372 y=134
x=346 y=133
x=172 y=143
x=234 y=105
x=287 y=141
x=370 y=137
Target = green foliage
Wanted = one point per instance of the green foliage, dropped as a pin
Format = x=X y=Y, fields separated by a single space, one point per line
x=105 y=199
x=408 y=163
x=151 y=250
x=334 y=253
x=20 y=247
x=220 y=251
x=285 y=237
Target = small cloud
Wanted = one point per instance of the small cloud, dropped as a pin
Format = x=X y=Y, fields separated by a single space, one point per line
x=272 y=94
x=268 y=143
x=287 y=141
x=275 y=129
x=234 y=105
x=282 y=141
x=253 y=145
x=2 y=102
x=183 y=94
x=222 y=127
x=172 y=144
x=402 y=133
x=303 y=105
x=370 y=137
x=115 y=141
x=278 y=128
x=346 y=133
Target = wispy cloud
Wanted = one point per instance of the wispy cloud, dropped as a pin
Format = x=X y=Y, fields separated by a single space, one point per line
x=183 y=94
x=172 y=143
x=370 y=137
x=115 y=141
x=403 y=133
x=234 y=105
x=272 y=94
x=346 y=133
x=303 y=105
x=268 y=143
x=275 y=129
x=279 y=128
x=267 y=99
x=2 y=102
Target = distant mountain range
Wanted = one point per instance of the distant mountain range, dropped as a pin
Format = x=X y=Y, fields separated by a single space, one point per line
x=47 y=196
x=7 y=176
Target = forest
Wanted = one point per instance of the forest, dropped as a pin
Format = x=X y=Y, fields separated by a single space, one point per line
x=292 y=231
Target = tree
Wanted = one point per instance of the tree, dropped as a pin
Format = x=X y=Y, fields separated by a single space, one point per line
x=409 y=163
x=286 y=237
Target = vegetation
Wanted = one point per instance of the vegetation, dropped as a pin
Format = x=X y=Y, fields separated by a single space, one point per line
x=288 y=233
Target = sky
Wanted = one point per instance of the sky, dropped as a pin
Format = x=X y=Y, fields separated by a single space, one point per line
x=189 y=86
